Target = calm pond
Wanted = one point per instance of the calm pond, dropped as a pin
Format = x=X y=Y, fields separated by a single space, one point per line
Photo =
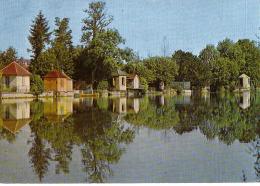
x=150 y=139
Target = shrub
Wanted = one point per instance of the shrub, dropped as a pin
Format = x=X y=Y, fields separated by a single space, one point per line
x=102 y=85
x=143 y=84
x=178 y=89
x=37 y=86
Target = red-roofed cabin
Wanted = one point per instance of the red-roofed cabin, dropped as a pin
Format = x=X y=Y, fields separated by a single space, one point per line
x=15 y=78
x=58 y=82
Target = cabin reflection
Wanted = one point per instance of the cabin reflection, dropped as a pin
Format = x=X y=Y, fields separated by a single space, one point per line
x=160 y=101
x=244 y=100
x=58 y=109
x=118 y=105
x=182 y=100
x=133 y=105
x=124 y=105
x=15 y=114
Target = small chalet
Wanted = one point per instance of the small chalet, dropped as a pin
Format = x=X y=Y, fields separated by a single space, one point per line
x=244 y=81
x=15 y=78
x=133 y=81
x=58 y=82
x=119 y=80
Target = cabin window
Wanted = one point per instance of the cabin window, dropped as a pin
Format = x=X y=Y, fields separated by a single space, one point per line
x=123 y=81
x=7 y=81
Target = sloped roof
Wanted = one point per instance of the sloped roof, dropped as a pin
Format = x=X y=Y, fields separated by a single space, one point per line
x=15 y=69
x=131 y=76
x=14 y=126
x=56 y=74
x=243 y=76
x=119 y=73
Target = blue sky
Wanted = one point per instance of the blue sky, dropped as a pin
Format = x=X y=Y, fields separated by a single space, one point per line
x=187 y=24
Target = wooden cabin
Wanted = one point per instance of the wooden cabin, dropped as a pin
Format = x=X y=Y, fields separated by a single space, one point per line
x=244 y=82
x=58 y=82
x=15 y=78
x=119 y=80
x=133 y=81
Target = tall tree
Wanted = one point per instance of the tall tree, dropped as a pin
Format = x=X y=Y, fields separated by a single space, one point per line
x=101 y=57
x=101 y=54
x=62 y=46
x=39 y=37
x=96 y=21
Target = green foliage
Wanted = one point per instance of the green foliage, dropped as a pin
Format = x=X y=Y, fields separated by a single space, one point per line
x=62 y=46
x=146 y=75
x=37 y=86
x=102 y=85
x=224 y=72
x=39 y=37
x=163 y=69
x=95 y=22
x=178 y=88
x=192 y=69
x=101 y=58
x=252 y=60
x=7 y=56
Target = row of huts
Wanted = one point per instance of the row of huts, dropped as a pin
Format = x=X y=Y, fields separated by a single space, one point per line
x=16 y=78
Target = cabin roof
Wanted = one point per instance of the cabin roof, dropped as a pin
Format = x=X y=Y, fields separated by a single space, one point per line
x=243 y=76
x=15 y=69
x=131 y=76
x=56 y=74
x=119 y=73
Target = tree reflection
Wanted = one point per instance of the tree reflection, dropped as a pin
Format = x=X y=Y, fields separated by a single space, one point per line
x=219 y=117
x=94 y=131
x=101 y=136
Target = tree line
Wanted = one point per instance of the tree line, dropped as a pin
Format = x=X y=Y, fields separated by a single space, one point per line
x=101 y=52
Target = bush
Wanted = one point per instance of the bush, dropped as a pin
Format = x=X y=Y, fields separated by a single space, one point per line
x=143 y=84
x=178 y=89
x=37 y=86
x=102 y=85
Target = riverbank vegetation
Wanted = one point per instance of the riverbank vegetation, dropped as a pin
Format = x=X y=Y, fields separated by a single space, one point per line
x=102 y=51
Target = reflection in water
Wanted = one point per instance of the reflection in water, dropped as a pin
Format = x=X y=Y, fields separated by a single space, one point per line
x=61 y=127
x=118 y=105
x=15 y=115
x=58 y=109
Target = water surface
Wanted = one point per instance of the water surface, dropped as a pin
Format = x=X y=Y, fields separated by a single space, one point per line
x=151 y=139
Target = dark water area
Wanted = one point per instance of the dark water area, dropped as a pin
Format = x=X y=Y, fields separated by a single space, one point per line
x=213 y=138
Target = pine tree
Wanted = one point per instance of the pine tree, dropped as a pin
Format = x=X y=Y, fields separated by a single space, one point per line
x=62 y=46
x=39 y=37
